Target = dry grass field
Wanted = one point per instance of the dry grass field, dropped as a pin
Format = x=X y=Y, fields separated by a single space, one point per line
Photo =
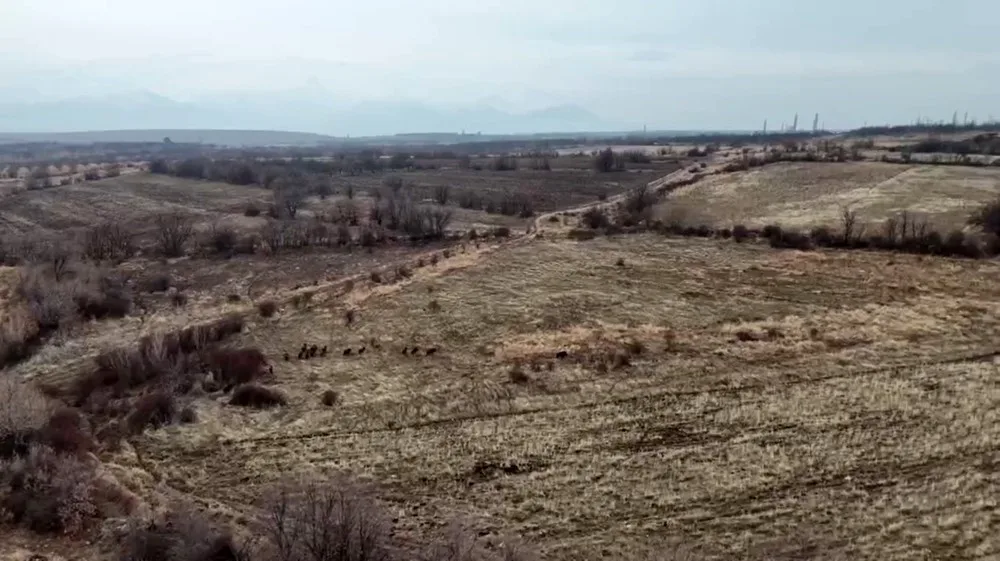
x=629 y=397
x=809 y=194
x=773 y=404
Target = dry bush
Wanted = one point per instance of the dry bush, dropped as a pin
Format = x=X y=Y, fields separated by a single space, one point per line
x=48 y=492
x=988 y=217
x=19 y=336
x=517 y=375
x=108 y=242
x=179 y=299
x=375 y=277
x=581 y=235
x=330 y=398
x=183 y=535
x=326 y=520
x=173 y=230
x=260 y=397
x=741 y=233
x=67 y=432
x=156 y=283
x=188 y=415
x=267 y=308
x=221 y=239
x=460 y=543
x=607 y=161
x=23 y=411
x=791 y=240
x=236 y=366
x=154 y=410
x=594 y=218
x=251 y=210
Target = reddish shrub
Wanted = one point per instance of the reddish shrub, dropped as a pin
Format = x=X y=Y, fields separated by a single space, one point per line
x=152 y=410
x=67 y=432
x=260 y=397
x=236 y=366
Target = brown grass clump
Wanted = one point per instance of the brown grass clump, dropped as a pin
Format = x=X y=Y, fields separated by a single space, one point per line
x=260 y=397
x=157 y=283
x=330 y=398
x=19 y=336
x=375 y=277
x=267 y=308
x=187 y=416
x=23 y=409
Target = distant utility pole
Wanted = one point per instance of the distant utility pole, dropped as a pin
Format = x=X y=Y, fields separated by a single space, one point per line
x=954 y=119
x=816 y=123
x=966 y=118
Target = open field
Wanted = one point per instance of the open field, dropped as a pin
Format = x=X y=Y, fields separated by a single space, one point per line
x=810 y=194
x=782 y=404
x=726 y=400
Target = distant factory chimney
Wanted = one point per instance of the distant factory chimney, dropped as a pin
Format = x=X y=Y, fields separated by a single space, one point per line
x=795 y=123
x=765 y=127
x=816 y=123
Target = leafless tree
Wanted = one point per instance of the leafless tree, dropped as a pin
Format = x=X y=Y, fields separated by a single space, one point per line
x=326 y=520
x=849 y=222
x=173 y=230
x=442 y=193
x=109 y=241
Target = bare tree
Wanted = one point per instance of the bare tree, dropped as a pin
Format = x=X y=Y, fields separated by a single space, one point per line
x=109 y=241
x=173 y=230
x=326 y=520
x=441 y=194
x=849 y=221
x=288 y=200
x=438 y=219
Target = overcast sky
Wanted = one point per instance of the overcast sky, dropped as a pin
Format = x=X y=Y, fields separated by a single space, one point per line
x=665 y=63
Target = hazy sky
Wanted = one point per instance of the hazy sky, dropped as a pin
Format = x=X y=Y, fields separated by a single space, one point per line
x=667 y=63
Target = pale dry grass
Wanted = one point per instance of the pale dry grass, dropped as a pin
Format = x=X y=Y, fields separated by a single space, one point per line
x=802 y=195
x=858 y=411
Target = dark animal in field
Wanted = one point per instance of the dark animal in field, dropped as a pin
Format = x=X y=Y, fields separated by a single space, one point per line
x=562 y=354
x=361 y=351
x=302 y=351
x=270 y=370
x=406 y=350
x=415 y=350
x=313 y=350
x=347 y=351
x=322 y=352
x=287 y=358
x=431 y=351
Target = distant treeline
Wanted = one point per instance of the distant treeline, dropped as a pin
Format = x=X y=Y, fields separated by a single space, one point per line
x=939 y=128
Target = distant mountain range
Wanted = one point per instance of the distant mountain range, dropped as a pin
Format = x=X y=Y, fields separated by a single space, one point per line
x=145 y=111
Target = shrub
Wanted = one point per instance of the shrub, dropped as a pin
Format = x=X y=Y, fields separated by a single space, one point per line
x=326 y=520
x=822 y=236
x=770 y=231
x=109 y=241
x=236 y=366
x=791 y=240
x=48 y=492
x=517 y=375
x=741 y=233
x=179 y=299
x=233 y=298
x=172 y=233
x=67 y=432
x=988 y=218
x=188 y=416
x=260 y=397
x=251 y=211
x=157 y=283
x=153 y=410
x=330 y=398
x=725 y=233
x=222 y=239
x=23 y=409
x=267 y=308
x=620 y=262
x=19 y=336
x=184 y=535
x=159 y=166
x=594 y=218
x=375 y=277
x=607 y=161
